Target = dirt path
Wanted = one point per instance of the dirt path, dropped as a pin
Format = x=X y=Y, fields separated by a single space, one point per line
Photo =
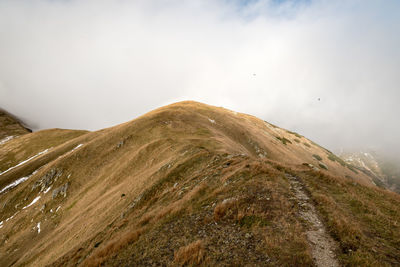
x=321 y=243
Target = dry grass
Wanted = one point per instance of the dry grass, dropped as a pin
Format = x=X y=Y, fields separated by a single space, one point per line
x=289 y=246
x=176 y=144
x=10 y=126
x=192 y=254
x=222 y=208
x=112 y=247
x=364 y=220
x=172 y=208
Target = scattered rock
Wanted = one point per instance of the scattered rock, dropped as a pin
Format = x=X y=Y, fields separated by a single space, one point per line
x=48 y=179
x=311 y=166
x=62 y=190
x=133 y=204
x=262 y=155
x=227 y=164
x=120 y=144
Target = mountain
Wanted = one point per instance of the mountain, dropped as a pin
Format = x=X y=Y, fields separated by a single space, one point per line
x=189 y=184
x=10 y=127
x=384 y=170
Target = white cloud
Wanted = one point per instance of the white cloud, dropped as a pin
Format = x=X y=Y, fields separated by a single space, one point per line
x=92 y=64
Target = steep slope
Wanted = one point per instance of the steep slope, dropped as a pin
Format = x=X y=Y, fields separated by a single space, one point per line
x=185 y=184
x=10 y=127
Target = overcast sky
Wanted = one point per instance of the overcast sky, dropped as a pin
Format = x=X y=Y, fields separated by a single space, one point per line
x=93 y=64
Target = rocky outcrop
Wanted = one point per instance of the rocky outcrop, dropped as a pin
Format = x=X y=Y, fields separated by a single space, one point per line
x=62 y=190
x=48 y=179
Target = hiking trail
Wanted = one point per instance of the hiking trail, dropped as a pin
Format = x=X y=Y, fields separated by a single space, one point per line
x=321 y=243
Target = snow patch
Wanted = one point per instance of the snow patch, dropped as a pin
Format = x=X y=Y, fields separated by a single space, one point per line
x=33 y=202
x=78 y=146
x=25 y=161
x=17 y=182
x=2 y=222
x=5 y=140
x=212 y=121
x=10 y=218
x=67 y=153
x=38 y=228
x=14 y=184
x=58 y=208
x=47 y=189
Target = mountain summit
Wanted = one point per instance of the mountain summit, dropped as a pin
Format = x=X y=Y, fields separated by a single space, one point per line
x=189 y=184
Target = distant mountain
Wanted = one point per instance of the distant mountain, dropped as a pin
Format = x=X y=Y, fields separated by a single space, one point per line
x=384 y=170
x=189 y=184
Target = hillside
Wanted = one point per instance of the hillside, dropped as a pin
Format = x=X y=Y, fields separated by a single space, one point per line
x=189 y=184
x=10 y=127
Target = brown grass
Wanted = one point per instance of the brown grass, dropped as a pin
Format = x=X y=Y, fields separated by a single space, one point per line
x=362 y=219
x=102 y=171
x=112 y=247
x=221 y=209
x=192 y=254
x=172 y=208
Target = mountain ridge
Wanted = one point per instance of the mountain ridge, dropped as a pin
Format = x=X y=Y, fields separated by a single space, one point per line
x=188 y=173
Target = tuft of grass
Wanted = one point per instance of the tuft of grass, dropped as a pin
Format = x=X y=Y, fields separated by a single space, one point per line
x=221 y=209
x=297 y=140
x=72 y=205
x=295 y=134
x=283 y=140
x=317 y=157
x=250 y=220
x=192 y=254
x=323 y=166
x=306 y=144
x=333 y=157
x=112 y=247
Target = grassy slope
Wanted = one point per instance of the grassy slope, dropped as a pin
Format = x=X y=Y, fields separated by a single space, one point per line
x=187 y=183
x=26 y=146
x=364 y=220
x=10 y=126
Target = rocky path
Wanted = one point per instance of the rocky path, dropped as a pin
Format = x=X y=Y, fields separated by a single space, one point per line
x=321 y=243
